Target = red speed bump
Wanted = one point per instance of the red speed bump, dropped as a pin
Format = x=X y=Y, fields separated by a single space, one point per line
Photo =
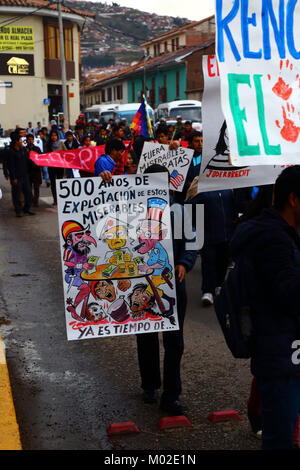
x=218 y=416
x=173 y=422
x=122 y=428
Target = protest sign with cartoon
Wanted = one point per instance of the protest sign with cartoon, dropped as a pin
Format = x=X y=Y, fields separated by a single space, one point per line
x=117 y=256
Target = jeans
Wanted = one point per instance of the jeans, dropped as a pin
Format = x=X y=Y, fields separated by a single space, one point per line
x=280 y=403
x=55 y=173
x=46 y=174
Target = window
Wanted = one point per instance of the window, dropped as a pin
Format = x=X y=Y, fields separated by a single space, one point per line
x=133 y=91
x=173 y=44
x=119 y=92
x=177 y=84
x=166 y=46
x=155 y=50
x=177 y=43
x=158 y=48
x=103 y=96
x=52 y=43
x=68 y=44
x=109 y=94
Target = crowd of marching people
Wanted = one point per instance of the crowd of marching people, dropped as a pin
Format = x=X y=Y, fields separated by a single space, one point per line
x=260 y=224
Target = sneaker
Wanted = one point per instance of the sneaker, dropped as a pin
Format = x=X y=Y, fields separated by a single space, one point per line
x=258 y=434
x=150 y=396
x=174 y=407
x=207 y=299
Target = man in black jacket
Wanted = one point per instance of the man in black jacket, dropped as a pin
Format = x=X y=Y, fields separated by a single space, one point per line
x=272 y=243
x=19 y=176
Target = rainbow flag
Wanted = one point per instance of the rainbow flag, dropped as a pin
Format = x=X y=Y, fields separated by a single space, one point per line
x=141 y=123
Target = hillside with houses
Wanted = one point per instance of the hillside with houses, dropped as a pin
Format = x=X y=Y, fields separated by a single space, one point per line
x=114 y=37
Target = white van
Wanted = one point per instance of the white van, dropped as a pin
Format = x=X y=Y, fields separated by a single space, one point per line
x=103 y=112
x=128 y=111
x=189 y=110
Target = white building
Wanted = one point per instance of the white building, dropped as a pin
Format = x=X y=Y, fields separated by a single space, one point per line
x=30 y=65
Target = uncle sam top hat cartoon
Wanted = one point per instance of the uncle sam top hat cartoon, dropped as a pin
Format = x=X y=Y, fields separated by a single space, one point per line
x=155 y=210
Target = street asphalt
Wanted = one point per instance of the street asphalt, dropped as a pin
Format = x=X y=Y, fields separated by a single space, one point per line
x=66 y=393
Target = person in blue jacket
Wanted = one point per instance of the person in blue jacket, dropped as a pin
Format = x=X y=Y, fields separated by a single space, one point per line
x=148 y=344
x=106 y=163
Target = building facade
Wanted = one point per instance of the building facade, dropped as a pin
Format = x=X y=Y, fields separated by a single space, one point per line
x=164 y=77
x=106 y=91
x=188 y=35
x=162 y=84
x=30 y=65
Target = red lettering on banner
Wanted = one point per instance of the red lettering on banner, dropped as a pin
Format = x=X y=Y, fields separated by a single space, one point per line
x=69 y=156
x=211 y=64
x=228 y=174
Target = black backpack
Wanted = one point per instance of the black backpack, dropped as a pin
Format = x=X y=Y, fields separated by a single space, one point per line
x=233 y=307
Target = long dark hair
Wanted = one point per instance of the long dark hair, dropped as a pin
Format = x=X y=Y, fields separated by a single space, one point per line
x=50 y=143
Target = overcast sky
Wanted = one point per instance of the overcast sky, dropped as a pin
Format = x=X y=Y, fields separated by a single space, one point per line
x=192 y=9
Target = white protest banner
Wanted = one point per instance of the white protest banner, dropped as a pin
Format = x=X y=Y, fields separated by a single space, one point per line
x=117 y=256
x=176 y=161
x=216 y=173
x=257 y=48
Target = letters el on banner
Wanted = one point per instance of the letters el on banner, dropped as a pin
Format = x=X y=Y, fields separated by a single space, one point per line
x=258 y=53
x=117 y=256
x=216 y=173
x=176 y=161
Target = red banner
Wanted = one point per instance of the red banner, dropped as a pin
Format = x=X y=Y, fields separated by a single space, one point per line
x=77 y=159
x=80 y=159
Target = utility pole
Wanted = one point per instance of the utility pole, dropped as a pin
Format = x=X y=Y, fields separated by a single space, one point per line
x=63 y=67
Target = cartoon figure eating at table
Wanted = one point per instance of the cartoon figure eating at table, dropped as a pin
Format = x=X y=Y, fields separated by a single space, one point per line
x=114 y=232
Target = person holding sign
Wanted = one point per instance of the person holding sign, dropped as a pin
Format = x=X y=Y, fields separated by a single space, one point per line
x=35 y=175
x=148 y=344
x=55 y=145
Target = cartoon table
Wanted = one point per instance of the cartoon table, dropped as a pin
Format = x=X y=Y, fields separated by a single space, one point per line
x=129 y=271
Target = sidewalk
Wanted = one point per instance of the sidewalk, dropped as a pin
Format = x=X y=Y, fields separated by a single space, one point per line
x=9 y=429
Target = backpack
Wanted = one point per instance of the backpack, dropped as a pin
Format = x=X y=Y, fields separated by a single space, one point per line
x=233 y=307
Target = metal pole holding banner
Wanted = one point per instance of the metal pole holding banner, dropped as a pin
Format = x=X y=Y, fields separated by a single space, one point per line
x=63 y=67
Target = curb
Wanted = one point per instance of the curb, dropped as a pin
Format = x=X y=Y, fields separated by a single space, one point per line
x=9 y=429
